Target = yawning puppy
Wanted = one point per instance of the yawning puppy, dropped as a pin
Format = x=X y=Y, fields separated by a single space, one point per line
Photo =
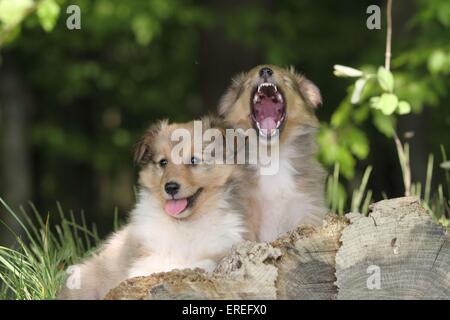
x=189 y=213
x=280 y=104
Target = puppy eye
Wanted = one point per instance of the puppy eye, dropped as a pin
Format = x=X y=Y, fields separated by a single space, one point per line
x=162 y=163
x=195 y=161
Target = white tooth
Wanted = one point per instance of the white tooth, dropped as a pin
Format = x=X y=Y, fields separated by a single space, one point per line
x=259 y=88
x=262 y=132
x=274 y=132
x=255 y=99
x=278 y=124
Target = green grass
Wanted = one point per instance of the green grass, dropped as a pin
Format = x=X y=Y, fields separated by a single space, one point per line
x=35 y=267
x=436 y=202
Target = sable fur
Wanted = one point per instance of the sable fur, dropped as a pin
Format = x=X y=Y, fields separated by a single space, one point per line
x=153 y=241
x=296 y=193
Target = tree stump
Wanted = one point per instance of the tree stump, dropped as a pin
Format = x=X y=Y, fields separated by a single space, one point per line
x=401 y=245
x=397 y=252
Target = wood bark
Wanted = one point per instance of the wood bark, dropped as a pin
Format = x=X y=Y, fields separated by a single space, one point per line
x=397 y=252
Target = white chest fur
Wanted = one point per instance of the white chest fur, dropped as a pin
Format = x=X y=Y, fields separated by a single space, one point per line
x=179 y=244
x=282 y=203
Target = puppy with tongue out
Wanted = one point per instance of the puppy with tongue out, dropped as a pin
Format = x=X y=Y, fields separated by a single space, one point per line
x=176 y=206
x=191 y=208
x=188 y=214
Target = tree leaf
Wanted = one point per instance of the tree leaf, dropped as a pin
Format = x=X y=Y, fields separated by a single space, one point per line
x=357 y=141
x=145 y=29
x=404 y=107
x=359 y=87
x=361 y=114
x=445 y=165
x=342 y=114
x=346 y=162
x=374 y=102
x=328 y=144
x=385 y=79
x=385 y=124
x=13 y=11
x=387 y=103
x=48 y=12
x=437 y=61
x=344 y=71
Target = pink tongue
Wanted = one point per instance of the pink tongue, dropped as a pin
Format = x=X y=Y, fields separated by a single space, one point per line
x=174 y=207
x=268 y=124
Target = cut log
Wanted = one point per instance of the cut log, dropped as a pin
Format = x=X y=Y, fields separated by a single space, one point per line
x=396 y=252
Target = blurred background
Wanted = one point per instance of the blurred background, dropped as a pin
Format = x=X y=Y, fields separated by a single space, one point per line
x=73 y=102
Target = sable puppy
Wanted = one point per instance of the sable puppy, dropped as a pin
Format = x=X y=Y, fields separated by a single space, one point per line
x=188 y=215
x=280 y=103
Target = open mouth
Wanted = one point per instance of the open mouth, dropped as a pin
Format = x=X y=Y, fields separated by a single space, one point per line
x=175 y=207
x=268 y=109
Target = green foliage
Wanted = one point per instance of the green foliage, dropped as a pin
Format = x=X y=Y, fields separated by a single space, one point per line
x=336 y=194
x=12 y=12
x=48 y=12
x=345 y=141
x=385 y=79
x=386 y=103
x=434 y=201
x=35 y=269
x=384 y=123
x=437 y=204
x=382 y=96
x=445 y=165
x=362 y=198
x=420 y=79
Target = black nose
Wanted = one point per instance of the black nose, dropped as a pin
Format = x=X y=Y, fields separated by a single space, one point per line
x=265 y=72
x=172 y=188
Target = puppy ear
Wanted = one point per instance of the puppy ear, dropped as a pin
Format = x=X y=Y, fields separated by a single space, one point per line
x=309 y=91
x=142 y=154
x=143 y=148
x=232 y=94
